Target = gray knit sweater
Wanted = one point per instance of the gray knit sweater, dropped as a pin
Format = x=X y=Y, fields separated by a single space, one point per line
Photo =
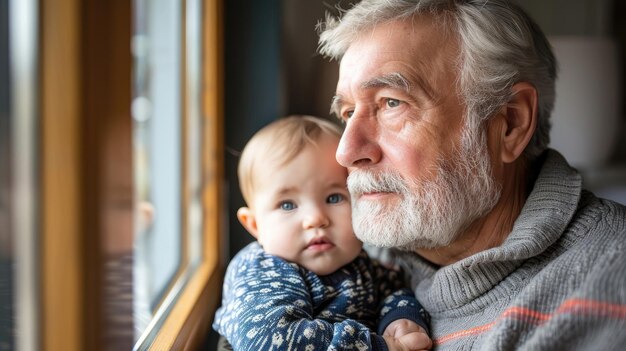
x=558 y=282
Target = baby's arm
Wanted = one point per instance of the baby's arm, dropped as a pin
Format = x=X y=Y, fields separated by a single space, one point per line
x=270 y=307
x=397 y=310
x=400 y=312
x=404 y=322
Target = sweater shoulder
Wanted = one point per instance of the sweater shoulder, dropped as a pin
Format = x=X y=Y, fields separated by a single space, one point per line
x=603 y=212
x=597 y=223
x=596 y=241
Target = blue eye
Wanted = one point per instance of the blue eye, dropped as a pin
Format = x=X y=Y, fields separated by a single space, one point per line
x=334 y=198
x=391 y=103
x=287 y=206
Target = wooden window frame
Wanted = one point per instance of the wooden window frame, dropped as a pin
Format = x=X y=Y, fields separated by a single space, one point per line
x=86 y=87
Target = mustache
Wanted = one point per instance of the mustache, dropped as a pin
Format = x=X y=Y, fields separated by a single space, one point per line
x=365 y=181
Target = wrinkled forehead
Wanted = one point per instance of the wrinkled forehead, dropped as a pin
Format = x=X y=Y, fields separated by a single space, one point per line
x=414 y=52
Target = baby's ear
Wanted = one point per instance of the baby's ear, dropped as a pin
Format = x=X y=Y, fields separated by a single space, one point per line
x=248 y=220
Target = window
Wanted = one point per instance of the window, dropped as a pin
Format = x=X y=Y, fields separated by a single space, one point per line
x=170 y=139
x=131 y=144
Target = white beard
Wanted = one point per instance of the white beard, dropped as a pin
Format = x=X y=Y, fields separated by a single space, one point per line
x=426 y=214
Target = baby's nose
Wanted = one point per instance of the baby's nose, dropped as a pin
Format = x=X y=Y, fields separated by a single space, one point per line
x=316 y=219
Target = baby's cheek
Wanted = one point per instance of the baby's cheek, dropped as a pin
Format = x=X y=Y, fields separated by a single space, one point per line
x=280 y=249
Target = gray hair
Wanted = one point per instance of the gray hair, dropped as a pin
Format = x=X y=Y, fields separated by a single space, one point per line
x=500 y=45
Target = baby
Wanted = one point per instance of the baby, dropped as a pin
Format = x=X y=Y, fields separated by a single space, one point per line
x=306 y=283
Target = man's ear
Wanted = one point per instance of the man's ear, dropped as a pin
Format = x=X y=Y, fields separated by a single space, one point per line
x=519 y=121
x=248 y=220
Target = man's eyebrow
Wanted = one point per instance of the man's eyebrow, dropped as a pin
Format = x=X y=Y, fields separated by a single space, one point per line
x=335 y=106
x=393 y=80
x=396 y=80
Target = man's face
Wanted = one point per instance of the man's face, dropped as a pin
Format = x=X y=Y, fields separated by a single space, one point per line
x=412 y=178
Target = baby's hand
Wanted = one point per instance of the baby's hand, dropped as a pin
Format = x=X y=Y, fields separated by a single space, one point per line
x=415 y=341
x=406 y=335
x=401 y=327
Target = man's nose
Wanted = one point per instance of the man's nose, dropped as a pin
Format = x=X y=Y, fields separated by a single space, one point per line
x=358 y=146
x=315 y=218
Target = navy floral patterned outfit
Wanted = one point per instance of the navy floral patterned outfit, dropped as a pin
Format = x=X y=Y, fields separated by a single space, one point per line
x=271 y=304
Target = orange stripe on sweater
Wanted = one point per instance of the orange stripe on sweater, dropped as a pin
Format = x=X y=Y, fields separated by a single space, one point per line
x=572 y=306
x=595 y=307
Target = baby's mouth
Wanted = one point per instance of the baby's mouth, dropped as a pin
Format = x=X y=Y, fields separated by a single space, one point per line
x=320 y=244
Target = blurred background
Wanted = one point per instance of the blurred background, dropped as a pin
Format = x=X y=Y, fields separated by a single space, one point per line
x=121 y=125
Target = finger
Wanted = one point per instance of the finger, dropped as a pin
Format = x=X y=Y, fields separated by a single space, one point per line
x=393 y=344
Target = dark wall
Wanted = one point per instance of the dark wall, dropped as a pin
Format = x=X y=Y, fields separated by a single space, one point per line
x=309 y=79
x=252 y=86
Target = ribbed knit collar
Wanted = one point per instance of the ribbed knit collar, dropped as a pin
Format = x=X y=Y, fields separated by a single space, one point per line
x=544 y=217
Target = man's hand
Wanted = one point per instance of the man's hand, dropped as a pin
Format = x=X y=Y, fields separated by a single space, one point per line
x=406 y=335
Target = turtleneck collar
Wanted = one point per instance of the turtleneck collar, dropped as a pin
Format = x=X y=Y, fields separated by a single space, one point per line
x=544 y=217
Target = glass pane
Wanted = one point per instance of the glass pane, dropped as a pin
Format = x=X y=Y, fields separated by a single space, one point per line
x=194 y=134
x=168 y=132
x=156 y=109
x=19 y=289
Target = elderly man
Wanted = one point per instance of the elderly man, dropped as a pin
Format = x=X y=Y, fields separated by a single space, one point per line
x=447 y=105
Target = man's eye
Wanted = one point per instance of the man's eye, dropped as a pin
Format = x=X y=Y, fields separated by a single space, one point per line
x=348 y=114
x=287 y=206
x=334 y=198
x=393 y=103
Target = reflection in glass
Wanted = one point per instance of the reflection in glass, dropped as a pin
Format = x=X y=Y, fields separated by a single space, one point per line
x=167 y=139
x=19 y=127
x=156 y=110
x=194 y=130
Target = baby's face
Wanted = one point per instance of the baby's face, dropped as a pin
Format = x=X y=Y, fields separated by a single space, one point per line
x=302 y=210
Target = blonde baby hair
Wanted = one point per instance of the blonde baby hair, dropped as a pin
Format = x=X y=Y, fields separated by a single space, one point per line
x=278 y=143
